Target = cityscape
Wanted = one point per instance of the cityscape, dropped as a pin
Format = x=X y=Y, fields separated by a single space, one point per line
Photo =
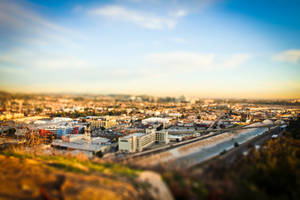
x=149 y=99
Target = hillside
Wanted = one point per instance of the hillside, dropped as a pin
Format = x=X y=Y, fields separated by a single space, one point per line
x=24 y=176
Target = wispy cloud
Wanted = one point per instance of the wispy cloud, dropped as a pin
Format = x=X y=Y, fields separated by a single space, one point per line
x=178 y=40
x=292 y=56
x=180 y=13
x=181 y=60
x=145 y=20
x=22 y=24
x=193 y=60
x=36 y=43
x=235 y=60
x=77 y=9
x=21 y=58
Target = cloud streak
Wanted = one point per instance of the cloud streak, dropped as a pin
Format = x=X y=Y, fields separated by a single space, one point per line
x=194 y=60
x=20 y=58
x=292 y=56
x=178 y=40
x=145 y=20
x=180 y=60
x=24 y=25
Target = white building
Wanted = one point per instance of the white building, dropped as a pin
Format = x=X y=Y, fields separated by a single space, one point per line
x=138 y=141
x=83 y=142
x=177 y=130
x=153 y=120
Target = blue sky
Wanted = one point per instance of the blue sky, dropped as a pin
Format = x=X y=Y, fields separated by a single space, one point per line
x=200 y=48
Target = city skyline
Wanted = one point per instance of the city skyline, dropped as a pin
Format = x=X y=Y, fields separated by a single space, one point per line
x=214 y=49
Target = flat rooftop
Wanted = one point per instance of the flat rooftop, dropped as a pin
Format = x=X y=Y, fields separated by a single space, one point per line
x=84 y=146
x=136 y=134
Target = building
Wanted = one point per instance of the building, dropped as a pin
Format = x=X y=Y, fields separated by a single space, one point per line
x=58 y=126
x=128 y=143
x=162 y=136
x=83 y=143
x=175 y=138
x=178 y=130
x=138 y=141
x=156 y=120
x=102 y=122
x=10 y=116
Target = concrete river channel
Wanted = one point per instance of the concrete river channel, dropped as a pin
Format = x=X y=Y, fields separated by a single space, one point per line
x=197 y=152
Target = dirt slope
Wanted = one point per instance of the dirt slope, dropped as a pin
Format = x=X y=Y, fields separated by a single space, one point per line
x=27 y=177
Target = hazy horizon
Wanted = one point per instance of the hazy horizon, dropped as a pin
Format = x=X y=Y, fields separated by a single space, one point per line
x=205 y=49
x=143 y=94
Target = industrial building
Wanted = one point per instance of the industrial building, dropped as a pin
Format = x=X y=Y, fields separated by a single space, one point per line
x=58 y=126
x=83 y=142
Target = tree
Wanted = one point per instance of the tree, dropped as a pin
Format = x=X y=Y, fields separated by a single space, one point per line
x=99 y=154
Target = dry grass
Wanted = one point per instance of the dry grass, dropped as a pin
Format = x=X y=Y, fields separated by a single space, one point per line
x=34 y=176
